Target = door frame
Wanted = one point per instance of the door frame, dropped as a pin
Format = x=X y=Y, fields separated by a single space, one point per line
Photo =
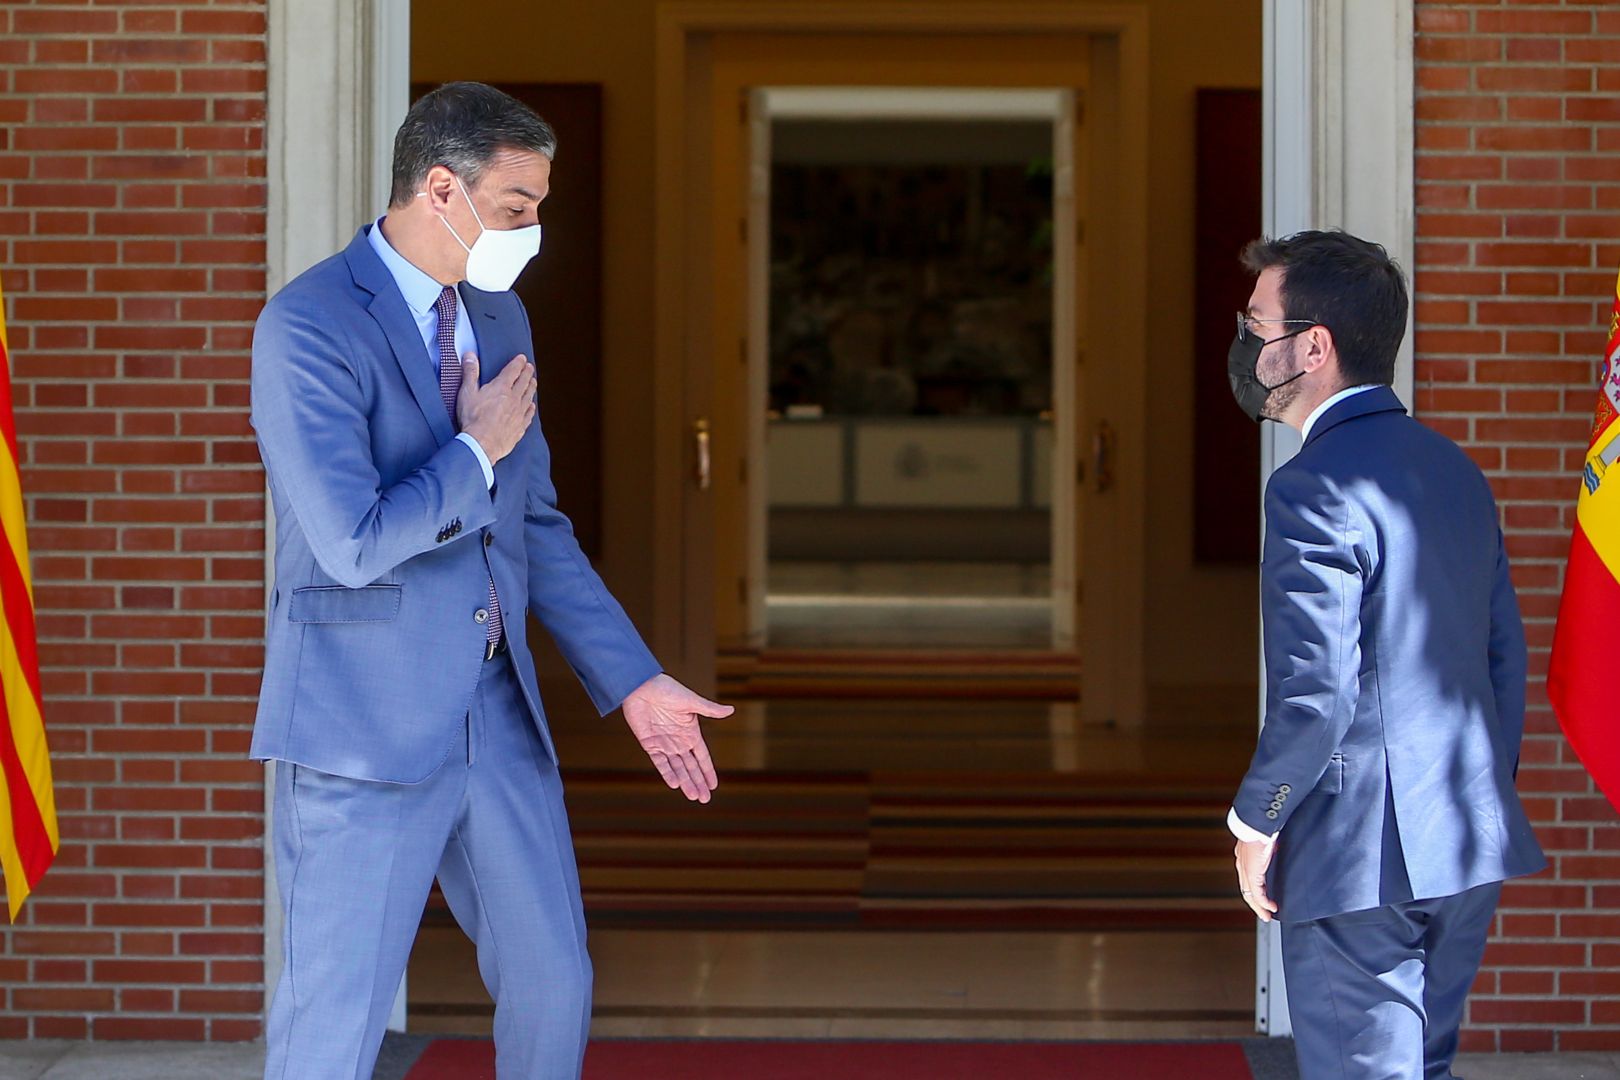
x=329 y=149
x=1338 y=82
x=1116 y=273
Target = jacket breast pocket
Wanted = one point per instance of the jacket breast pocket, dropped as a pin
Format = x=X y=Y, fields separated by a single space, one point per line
x=336 y=604
x=1332 y=782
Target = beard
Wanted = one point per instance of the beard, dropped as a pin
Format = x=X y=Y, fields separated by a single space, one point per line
x=1278 y=402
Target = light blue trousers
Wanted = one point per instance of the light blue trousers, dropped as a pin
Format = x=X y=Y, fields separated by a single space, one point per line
x=355 y=860
x=1379 y=994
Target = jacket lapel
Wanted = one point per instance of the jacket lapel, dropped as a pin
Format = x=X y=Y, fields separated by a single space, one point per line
x=490 y=330
x=496 y=348
x=388 y=308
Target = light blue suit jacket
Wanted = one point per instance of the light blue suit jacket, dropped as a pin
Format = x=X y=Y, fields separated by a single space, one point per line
x=387 y=536
x=1395 y=671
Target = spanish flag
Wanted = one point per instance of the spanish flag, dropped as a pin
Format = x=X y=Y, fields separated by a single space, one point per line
x=28 y=836
x=1581 y=675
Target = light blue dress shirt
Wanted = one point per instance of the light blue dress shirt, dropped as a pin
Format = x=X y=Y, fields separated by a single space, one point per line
x=421 y=293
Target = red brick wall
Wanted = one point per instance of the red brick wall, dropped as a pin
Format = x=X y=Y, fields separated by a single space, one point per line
x=1518 y=229
x=132 y=257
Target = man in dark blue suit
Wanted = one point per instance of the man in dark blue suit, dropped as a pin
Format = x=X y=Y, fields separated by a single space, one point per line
x=1378 y=817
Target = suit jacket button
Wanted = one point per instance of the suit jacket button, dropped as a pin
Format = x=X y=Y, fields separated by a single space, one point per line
x=1272 y=814
x=1276 y=804
x=1285 y=789
x=489 y=540
x=480 y=616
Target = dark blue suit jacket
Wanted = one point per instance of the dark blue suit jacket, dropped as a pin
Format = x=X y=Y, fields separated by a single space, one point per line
x=1395 y=672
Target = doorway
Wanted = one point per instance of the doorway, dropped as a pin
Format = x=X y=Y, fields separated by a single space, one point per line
x=990 y=487
x=911 y=353
x=1316 y=59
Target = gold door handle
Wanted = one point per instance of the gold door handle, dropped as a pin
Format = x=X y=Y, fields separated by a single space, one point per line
x=700 y=434
x=1102 y=456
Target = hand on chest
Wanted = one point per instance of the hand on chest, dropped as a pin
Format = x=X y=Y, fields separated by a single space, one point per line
x=426 y=373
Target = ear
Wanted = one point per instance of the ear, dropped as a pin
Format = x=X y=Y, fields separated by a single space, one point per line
x=1318 y=350
x=437 y=189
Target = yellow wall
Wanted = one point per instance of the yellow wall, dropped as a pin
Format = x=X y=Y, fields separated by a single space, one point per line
x=1201 y=627
x=608 y=42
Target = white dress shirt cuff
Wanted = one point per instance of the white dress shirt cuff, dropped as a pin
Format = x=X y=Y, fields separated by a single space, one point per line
x=483 y=458
x=1244 y=832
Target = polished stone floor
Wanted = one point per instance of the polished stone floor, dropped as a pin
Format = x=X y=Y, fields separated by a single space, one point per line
x=909 y=985
x=909 y=605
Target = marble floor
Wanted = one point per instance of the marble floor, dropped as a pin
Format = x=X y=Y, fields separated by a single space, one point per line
x=787 y=984
x=909 y=605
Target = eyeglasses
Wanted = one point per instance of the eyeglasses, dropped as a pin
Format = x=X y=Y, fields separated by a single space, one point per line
x=1246 y=325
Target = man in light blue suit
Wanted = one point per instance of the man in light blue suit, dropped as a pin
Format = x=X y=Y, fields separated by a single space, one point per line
x=416 y=529
x=1381 y=796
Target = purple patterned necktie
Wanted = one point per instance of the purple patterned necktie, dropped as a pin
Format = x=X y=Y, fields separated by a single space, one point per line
x=450 y=389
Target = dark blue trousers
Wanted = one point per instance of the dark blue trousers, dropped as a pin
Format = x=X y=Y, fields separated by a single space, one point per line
x=1379 y=994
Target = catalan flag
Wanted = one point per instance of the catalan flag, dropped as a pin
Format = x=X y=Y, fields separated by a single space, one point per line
x=28 y=836
x=1581 y=676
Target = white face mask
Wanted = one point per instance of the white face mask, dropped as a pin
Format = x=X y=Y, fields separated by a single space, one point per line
x=498 y=256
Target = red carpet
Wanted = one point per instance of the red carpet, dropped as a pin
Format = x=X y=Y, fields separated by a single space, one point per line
x=467 y=1059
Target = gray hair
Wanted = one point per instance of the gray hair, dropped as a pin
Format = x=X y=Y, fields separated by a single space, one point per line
x=462 y=126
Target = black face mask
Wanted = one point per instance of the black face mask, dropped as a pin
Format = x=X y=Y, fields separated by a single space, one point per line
x=1242 y=361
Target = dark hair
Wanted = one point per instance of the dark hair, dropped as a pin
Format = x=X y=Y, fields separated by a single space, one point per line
x=462 y=126
x=1349 y=285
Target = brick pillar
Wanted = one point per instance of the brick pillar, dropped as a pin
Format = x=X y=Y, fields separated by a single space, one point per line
x=132 y=255
x=1518 y=122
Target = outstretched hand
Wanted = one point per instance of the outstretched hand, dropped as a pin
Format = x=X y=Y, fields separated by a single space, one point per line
x=663 y=716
